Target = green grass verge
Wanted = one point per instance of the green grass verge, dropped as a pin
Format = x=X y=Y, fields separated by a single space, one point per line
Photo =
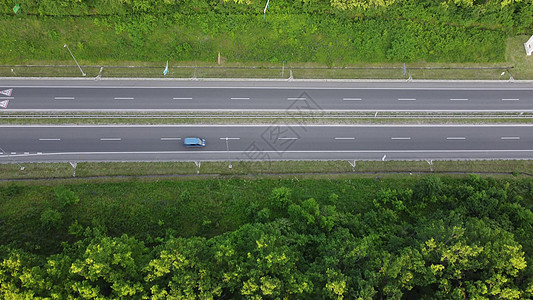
x=250 y=47
x=84 y=170
x=417 y=71
x=516 y=55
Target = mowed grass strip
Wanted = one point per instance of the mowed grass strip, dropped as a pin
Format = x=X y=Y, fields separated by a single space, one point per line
x=261 y=121
x=240 y=168
x=504 y=166
x=35 y=170
x=135 y=168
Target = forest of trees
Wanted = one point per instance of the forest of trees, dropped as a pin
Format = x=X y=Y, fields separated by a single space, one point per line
x=430 y=238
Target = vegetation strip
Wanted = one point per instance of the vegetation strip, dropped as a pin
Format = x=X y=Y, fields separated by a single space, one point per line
x=328 y=33
x=264 y=175
x=138 y=169
x=368 y=238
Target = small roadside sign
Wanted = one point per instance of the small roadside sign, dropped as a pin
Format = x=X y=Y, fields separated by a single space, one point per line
x=16 y=8
x=166 y=70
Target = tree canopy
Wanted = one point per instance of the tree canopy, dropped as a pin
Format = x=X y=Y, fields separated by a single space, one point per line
x=435 y=238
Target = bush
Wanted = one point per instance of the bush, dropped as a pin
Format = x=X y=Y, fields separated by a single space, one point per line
x=281 y=198
x=65 y=196
x=51 y=218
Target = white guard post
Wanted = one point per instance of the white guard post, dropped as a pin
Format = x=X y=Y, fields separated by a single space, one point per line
x=529 y=46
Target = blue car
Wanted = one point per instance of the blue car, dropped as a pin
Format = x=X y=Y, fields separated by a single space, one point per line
x=194 y=142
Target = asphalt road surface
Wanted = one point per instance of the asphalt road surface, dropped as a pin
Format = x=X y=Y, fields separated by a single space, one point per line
x=158 y=95
x=275 y=142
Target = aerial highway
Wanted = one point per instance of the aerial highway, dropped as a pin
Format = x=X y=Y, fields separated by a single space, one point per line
x=25 y=143
x=219 y=96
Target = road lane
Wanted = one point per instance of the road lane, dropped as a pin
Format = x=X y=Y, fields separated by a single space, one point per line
x=58 y=143
x=57 y=95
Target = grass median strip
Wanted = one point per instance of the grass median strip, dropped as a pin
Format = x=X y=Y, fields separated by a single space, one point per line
x=263 y=118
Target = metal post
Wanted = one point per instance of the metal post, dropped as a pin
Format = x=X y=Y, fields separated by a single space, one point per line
x=74 y=59
x=283 y=69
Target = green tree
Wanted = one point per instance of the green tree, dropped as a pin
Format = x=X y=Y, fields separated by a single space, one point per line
x=111 y=267
x=184 y=269
x=21 y=276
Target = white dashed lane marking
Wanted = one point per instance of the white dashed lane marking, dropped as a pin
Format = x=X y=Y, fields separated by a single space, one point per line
x=170 y=139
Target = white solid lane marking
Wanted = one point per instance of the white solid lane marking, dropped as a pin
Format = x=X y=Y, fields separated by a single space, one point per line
x=170 y=139
x=510 y=99
x=507 y=126
x=296 y=98
x=400 y=138
x=288 y=151
x=7 y=98
x=510 y=137
x=345 y=138
x=456 y=138
x=406 y=99
x=49 y=139
x=288 y=138
x=228 y=138
x=352 y=99
x=242 y=98
x=124 y=98
x=182 y=98
x=470 y=88
x=458 y=99
x=110 y=139
x=271 y=110
x=64 y=98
